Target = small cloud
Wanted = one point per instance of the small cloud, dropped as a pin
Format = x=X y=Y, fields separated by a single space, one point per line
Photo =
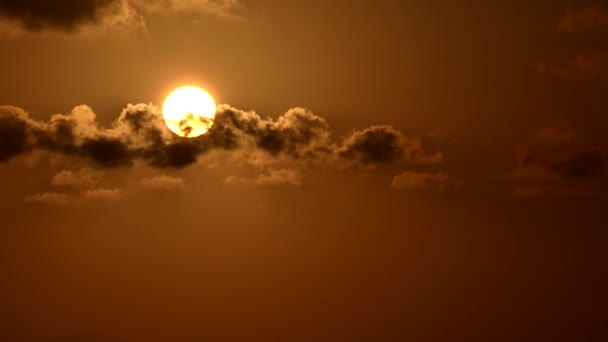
x=588 y=19
x=438 y=182
x=163 y=182
x=556 y=153
x=271 y=177
x=237 y=181
x=383 y=145
x=226 y=9
x=84 y=177
x=555 y=161
x=280 y=177
x=49 y=198
x=586 y=65
x=103 y=194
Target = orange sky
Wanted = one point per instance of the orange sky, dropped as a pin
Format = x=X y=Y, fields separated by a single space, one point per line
x=377 y=171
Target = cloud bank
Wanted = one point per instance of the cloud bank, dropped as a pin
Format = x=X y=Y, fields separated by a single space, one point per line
x=140 y=134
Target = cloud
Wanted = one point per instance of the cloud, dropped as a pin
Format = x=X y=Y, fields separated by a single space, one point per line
x=411 y=180
x=556 y=160
x=49 y=198
x=100 y=17
x=229 y=9
x=384 y=144
x=162 y=182
x=103 y=194
x=280 y=177
x=91 y=17
x=83 y=177
x=586 y=65
x=587 y=19
x=14 y=130
x=66 y=15
x=270 y=178
x=556 y=153
x=237 y=181
x=56 y=198
x=140 y=134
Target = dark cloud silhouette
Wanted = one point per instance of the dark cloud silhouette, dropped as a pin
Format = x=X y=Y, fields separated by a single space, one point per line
x=64 y=15
x=99 y=17
x=14 y=132
x=557 y=161
x=140 y=133
x=384 y=144
x=556 y=153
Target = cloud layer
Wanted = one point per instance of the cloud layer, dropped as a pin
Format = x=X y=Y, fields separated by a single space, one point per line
x=139 y=133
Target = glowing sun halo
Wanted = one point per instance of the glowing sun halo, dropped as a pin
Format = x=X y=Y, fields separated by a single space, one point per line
x=189 y=111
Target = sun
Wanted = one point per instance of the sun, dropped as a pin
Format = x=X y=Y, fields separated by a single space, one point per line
x=189 y=111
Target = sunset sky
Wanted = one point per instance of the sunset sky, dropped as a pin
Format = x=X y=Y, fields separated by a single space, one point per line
x=376 y=171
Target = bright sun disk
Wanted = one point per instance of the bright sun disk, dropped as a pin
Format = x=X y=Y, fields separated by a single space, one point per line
x=189 y=111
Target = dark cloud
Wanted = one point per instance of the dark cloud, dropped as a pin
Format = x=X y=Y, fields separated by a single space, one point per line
x=556 y=160
x=14 y=132
x=99 y=17
x=586 y=65
x=587 y=19
x=384 y=144
x=298 y=133
x=556 y=152
x=64 y=15
x=140 y=133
